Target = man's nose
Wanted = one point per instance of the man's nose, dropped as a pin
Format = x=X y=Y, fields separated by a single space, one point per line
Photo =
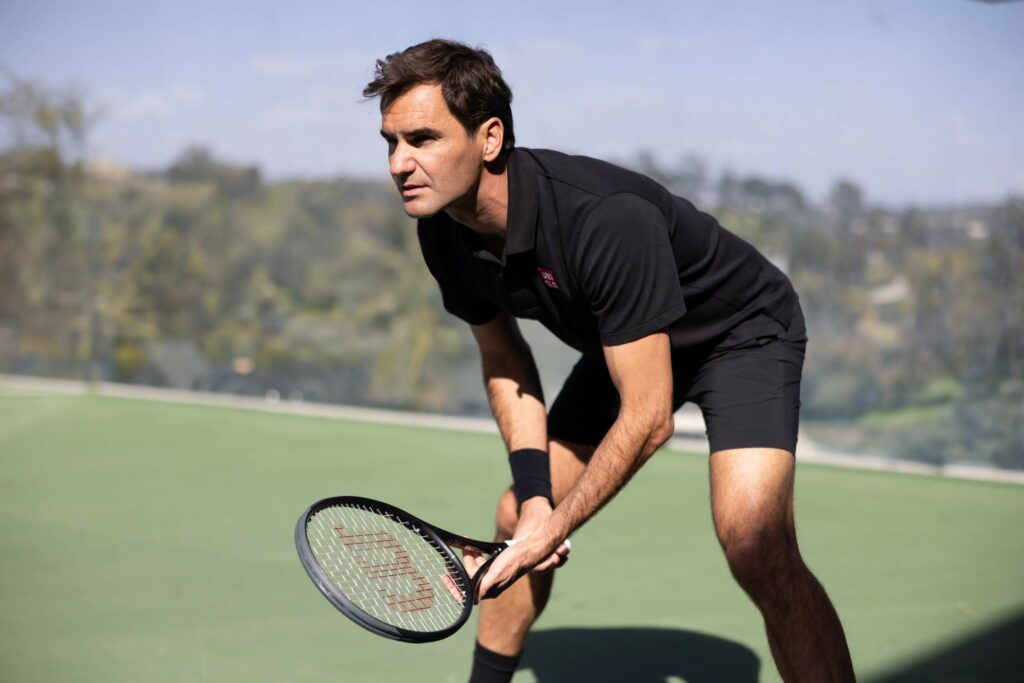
x=401 y=161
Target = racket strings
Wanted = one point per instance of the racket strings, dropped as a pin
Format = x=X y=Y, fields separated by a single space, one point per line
x=386 y=568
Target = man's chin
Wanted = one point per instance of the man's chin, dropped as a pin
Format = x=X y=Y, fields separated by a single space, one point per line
x=414 y=209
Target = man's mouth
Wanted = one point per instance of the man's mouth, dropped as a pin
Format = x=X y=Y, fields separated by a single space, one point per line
x=410 y=188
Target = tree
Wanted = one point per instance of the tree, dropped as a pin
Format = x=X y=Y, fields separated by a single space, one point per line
x=687 y=178
x=196 y=164
x=52 y=123
x=847 y=200
x=46 y=143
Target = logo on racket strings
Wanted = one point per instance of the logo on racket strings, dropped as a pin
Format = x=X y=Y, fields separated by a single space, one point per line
x=385 y=562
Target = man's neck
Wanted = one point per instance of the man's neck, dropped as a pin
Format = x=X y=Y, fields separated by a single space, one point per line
x=486 y=211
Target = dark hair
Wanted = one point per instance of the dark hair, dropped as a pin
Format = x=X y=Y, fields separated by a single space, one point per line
x=470 y=81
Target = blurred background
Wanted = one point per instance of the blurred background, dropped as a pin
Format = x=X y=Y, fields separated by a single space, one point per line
x=193 y=195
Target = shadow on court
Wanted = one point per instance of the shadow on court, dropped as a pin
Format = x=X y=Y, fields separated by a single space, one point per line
x=638 y=655
x=995 y=655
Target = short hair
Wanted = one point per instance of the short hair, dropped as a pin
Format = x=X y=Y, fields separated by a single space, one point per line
x=470 y=81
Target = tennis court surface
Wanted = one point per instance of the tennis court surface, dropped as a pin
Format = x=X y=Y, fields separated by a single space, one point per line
x=144 y=541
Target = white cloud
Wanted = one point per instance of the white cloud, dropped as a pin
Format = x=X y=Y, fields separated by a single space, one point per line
x=155 y=104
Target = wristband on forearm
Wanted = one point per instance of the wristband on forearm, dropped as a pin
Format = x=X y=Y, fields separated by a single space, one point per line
x=531 y=474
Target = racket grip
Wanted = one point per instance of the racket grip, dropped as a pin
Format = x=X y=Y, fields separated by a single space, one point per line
x=512 y=541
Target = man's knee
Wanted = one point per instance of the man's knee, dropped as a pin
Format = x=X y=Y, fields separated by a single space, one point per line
x=568 y=460
x=506 y=515
x=758 y=554
x=751 y=502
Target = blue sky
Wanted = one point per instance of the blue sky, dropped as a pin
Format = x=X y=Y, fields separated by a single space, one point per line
x=919 y=101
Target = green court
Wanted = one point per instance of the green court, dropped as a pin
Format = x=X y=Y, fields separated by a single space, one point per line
x=143 y=541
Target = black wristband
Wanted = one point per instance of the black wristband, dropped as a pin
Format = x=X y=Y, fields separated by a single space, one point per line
x=531 y=474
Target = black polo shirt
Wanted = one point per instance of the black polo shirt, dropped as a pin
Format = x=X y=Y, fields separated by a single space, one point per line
x=603 y=256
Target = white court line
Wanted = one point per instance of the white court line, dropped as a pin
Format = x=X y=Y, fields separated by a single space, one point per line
x=808 y=451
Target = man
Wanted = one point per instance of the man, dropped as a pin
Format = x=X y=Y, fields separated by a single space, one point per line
x=665 y=307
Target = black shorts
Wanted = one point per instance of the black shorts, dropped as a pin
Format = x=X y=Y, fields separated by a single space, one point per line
x=747 y=386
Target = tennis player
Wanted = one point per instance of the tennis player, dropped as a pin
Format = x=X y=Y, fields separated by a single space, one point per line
x=664 y=305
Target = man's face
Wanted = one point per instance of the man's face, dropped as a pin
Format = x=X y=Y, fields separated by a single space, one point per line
x=434 y=162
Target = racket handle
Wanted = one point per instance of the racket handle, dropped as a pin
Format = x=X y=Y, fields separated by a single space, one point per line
x=512 y=541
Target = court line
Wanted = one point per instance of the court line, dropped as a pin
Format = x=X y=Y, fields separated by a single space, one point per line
x=689 y=441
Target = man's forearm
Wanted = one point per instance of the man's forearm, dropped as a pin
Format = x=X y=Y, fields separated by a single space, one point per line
x=626 y=447
x=516 y=399
x=641 y=371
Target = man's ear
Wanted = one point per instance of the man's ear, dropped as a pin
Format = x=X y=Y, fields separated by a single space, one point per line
x=493 y=131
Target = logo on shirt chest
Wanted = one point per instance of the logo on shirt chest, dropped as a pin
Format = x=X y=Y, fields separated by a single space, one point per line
x=548 y=277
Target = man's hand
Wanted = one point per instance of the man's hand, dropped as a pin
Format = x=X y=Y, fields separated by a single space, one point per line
x=533 y=513
x=533 y=550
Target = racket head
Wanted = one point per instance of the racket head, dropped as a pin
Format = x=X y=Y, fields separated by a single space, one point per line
x=383 y=568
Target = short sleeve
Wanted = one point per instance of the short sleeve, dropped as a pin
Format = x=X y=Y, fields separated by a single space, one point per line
x=467 y=307
x=440 y=253
x=627 y=269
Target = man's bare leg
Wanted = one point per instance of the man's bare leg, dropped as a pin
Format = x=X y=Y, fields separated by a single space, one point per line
x=505 y=621
x=752 y=506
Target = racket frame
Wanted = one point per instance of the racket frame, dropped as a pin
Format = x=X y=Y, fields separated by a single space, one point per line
x=444 y=541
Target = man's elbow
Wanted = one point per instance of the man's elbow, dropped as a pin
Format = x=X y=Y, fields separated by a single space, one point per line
x=650 y=425
x=658 y=428
x=661 y=431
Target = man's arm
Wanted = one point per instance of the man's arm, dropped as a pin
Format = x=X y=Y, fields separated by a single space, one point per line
x=642 y=373
x=513 y=385
x=514 y=392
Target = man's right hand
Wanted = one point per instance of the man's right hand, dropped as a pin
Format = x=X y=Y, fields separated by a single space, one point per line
x=533 y=513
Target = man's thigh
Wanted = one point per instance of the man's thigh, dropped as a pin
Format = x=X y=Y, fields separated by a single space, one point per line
x=752 y=493
x=750 y=394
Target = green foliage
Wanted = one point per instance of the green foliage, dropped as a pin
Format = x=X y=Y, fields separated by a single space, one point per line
x=318 y=288
x=129 y=361
x=318 y=284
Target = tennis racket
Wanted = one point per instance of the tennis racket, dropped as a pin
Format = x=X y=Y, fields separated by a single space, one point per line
x=388 y=571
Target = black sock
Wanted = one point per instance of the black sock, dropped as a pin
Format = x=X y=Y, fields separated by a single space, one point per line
x=491 y=667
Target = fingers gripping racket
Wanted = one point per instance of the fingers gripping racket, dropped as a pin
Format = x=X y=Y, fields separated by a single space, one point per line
x=388 y=571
